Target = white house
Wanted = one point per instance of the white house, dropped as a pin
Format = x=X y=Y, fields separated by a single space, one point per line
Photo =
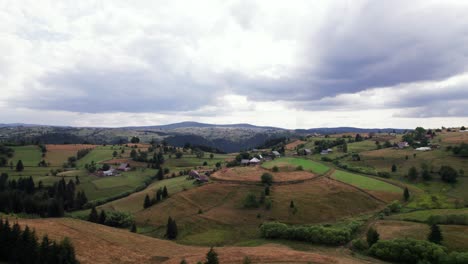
x=108 y=172
x=254 y=161
x=423 y=149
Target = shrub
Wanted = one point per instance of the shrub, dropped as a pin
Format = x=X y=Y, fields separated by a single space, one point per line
x=119 y=219
x=359 y=244
x=299 y=168
x=407 y=251
x=275 y=169
x=448 y=219
x=383 y=174
x=328 y=235
x=327 y=159
x=267 y=178
x=251 y=201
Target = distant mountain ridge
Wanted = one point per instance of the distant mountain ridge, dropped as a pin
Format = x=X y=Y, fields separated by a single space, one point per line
x=225 y=137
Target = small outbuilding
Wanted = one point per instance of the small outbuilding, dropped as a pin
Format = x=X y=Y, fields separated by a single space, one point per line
x=276 y=153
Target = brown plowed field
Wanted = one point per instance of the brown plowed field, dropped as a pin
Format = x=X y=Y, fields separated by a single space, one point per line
x=254 y=173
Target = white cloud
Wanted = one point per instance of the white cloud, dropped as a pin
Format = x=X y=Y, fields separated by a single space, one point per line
x=273 y=63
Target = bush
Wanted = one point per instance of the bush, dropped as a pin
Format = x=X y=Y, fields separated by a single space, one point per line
x=383 y=174
x=448 y=219
x=119 y=219
x=359 y=244
x=299 y=168
x=267 y=178
x=275 y=169
x=319 y=234
x=327 y=159
x=408 y=251
x=251 y=201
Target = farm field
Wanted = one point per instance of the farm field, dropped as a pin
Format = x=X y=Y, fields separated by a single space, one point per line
x=56 y=154
x=365 y=182
x=454 y=236
x=291 y=163
x=253 y=174
x=423 y=215
x=29 y=155
x=294 y=144
x=214 y=213
x=91 y=241
x=134 y=202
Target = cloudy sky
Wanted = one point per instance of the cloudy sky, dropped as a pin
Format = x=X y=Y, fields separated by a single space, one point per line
x=292 y=64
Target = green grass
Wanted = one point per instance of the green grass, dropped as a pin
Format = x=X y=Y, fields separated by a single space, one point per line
x=29 y=155
x=423 y=215
x=134 y=202
x=98 y=154
x=364 y=182
x=308 y=165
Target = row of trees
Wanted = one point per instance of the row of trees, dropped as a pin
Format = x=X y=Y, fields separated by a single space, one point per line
x=22 y=246
x=112 y=218
x=447 y=173
x=23 y=196
x=160 y=195
x=319 y=234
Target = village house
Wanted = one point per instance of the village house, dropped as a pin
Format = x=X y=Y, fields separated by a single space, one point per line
x=109 y=172
x=254 y=161
x=403 y=144
x=307 y=152
x=245 y=162
x=276 y=154
x=124 y=167
x=424 y=149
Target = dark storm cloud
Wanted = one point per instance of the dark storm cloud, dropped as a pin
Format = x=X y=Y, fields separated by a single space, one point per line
x=94 y=90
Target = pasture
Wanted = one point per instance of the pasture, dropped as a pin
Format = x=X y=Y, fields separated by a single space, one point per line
x=366 y=183
x=288 y=163
x=214 y=213
x=423 y=215
x=30 y=155
x=56 y=154
x=101 y=244
x=454 y=236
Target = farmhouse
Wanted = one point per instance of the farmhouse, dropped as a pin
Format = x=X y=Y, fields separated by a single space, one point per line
x=423 y=149
x=202 y=178
x=109 y=172
x=276 y=153
x=326 y=151
x=254 y=161
x=260 y=156
x=124 y=167
x=307 y=152
x=403 y=144
x=245 y=162
x=194 y=174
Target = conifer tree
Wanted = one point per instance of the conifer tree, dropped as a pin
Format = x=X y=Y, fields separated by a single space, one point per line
x=133 y=229
x=394 y=168
x=165 y=194
x=147 y=202
x=93 y=215
x=19 y=165
x=212 y=257
x=291 y=204
x=435 y=236
x=372 y=236
x=102 y=217
x=171 y=229
x=406 y=194
x=160 y=174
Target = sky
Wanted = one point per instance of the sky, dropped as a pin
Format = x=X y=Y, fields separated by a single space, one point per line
x=291 y=64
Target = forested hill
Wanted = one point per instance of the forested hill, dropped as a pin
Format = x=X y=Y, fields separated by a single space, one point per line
x=227 y=138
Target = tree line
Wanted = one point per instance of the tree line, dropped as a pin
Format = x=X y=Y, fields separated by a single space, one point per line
x=24 y=196
x=22 y=246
